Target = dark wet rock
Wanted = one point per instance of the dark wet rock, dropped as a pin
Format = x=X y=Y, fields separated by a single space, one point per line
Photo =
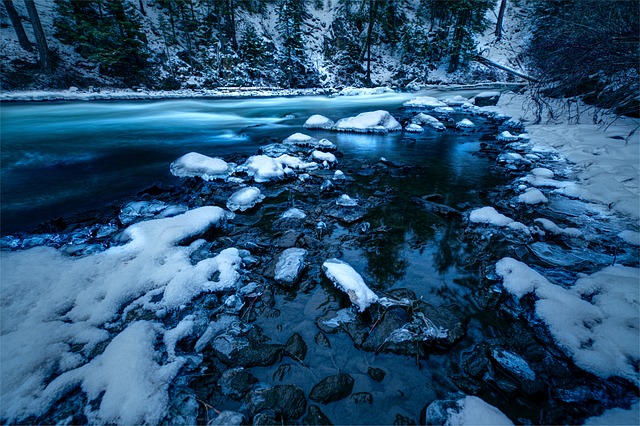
x=390 y=163
x=288 y=239
x=362 y=398
x=315 y=417
x=347 y=214
x=322 y=340
x=266 y=418
x=296 y=347
x=382 y=337
x=438 y=412
x=437 y=208
x=476 y=362
x=249 y=350
x=434 y=198
x=403 y=420
x=486 y=99
x=332 y=388
x=376 y=374
x=448 y=317
x=287 y=401
x=236 y=382
x=518 y=369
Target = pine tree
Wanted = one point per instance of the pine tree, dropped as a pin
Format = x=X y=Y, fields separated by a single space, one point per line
x=292 y=59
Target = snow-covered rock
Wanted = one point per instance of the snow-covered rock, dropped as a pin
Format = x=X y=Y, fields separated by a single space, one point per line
x=457 y=100
x=590 y=320
x=290 y=265
x=346 y=201
x=324 y=156
x=244 y=199
x=194 y=164
x=318 y=121
x=465 y=123
x=299 y=139
x=428 y=120
x=424 y=102
x=369 y=122
x=464 y=411
x=414 y=128
x=506 y=136
x=445 y=110
x=486 y=99
x=489 y=216
x=549 y=226
x=348 y=280
x=262 y=168
x=293 y=213
x=532 y=196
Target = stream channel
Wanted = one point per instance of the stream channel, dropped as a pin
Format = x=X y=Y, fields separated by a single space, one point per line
x=67 y=166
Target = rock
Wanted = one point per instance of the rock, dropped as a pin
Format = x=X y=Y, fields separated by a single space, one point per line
x=236 y=382
x=322 y=340
x=518 y=369
x=362 y=398
x=403 y=420
x=296 y=347
x=228 y=418
x=487 y=99
x=244 y=199
x=449 y=318
x=347 y=279
x=266 y=418
x=315 y=417
x=287 y=401
x=246 y=351
x=461 y=409
x=318 y=121
x=347 y=214
x=436 y=208
x=289 y=266
x=289 y=239
x=376 y=374
x=332 y=388
x=383 y=336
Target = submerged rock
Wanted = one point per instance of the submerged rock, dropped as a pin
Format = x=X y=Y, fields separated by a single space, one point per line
x=287 y=401
x=332 y=388
x=437 y=208
x=289 y=266
x=296 y=347
x=315 y=417
x=236 y=382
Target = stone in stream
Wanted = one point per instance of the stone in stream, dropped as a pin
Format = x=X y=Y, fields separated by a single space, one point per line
x=296 y=347
x=332 y=388
x=289 y=266
x=376 y=374
x=236 y=382
x=227 y=418
x=315 y=417
x=486 y=99
x=437 y=208
x=287 y=401
x=518 y=369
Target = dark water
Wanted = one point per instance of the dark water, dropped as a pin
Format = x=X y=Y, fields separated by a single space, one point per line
x=64 y=157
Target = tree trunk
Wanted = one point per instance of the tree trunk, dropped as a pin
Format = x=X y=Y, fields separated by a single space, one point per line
x=372 y=11
x=17 y=25
x=503 y=6
x=142 y=8
x=41 y=41
x=232 y=13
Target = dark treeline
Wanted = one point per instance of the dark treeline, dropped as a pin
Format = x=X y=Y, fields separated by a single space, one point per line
x=579 y=48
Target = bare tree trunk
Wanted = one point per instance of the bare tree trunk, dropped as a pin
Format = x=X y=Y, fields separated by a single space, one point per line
x=41 y=41
x=17 y=25
x=372 y=12
x=232 y=13
x=142 y=8
x=503 y=6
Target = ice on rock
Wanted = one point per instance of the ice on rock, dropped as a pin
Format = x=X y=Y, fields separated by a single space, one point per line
x=227 y=418
x=506 y=136
x=318 y=121
x=465 y=123
x=631 y=237
x=244 y=199
x=298 y=138
x=346 y=201
x=424 y=102
x=414 y=128
x=348 y=280
x=369 y=122
x=339 y=175
x=140 y=209
x=457 y=101
x=194 y=164
x=532 y=196
x=326 y=145
x=444 y=110
x=549 y=226
x=262 y=168
x=489 y=216
x=290 y=265
x=294 y=213
x=324 y=156
x=428 y=120
x=595 y=320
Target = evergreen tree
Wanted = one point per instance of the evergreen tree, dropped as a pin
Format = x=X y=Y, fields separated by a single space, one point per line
x=256 y=53
x=106 y=32
x=292 y=58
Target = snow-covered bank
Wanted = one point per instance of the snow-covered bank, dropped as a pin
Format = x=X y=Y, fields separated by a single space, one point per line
x=605 y=159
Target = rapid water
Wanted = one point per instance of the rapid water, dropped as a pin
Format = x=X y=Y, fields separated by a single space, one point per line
x=65 y=157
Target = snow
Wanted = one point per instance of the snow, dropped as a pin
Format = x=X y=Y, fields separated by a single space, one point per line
x=457 y=100
x=317 y=121
x=425 y=119
x=293 y=213
x=324 y=156
x=346 y=201
x=424 y=102
x=631 y=237
x=532 y=196
x=298 y=138
x=52 y=302
x=465 y=123
x=194 y=164
x=506 y=136
x=244 y=199
x=290 y=265
x=548 y=225
x=489 y=215
x=617 y=416
x=465 y=411
x=596 y=320
x=414 y=128
x=369 y=122
x=348 y=280
x=262 y=168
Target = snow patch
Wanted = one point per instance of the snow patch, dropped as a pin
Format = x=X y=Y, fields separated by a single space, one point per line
x=348 y=280
x=194 y=164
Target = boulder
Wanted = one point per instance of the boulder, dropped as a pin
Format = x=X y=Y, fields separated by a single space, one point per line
x=487 y=99
x=287 y=401
x=332 y=388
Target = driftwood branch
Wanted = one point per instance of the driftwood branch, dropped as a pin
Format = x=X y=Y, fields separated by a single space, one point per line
x=490 y=63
